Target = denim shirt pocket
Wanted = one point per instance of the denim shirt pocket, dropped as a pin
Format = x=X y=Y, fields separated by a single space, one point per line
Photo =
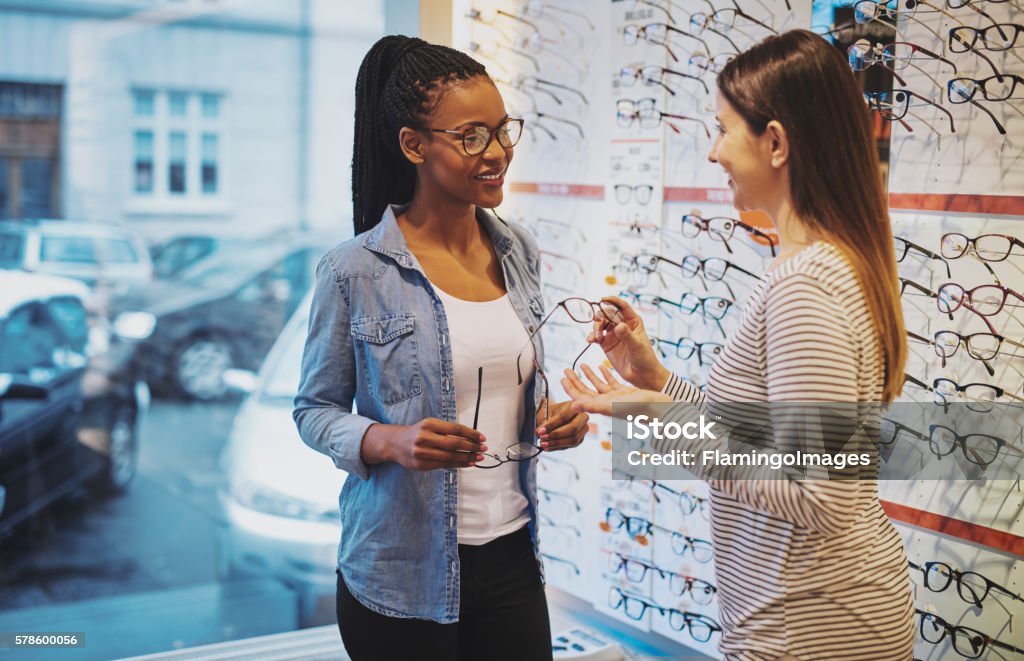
x=385 y=346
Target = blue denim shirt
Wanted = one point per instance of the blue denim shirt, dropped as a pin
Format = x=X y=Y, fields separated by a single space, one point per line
x=378 y=336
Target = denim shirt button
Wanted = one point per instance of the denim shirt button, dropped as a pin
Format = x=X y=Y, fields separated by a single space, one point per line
x=445 y=383
x=529 y=329
x=451 y=521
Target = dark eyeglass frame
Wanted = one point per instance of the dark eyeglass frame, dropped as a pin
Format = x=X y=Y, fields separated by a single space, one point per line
x=894 y=112
x=966 y=341
x=633 y=74
x=702 y=304
x=961 y=441
x=704 y=225
x=957 y=575
x=465 y=134
x=736 y=12
x=620 y=563
x=953 y=630
x=617 y=598
x=518 y=451
x=908 y=245
x=695 y=266
x=642 y=193
x=975 y=404
x=640 y=298
x=961 y=33
x=982 y=84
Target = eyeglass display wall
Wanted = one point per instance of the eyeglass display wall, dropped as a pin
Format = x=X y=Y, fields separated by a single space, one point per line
x=612 y=178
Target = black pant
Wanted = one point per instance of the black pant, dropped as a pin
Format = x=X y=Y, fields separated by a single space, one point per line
x=503 y=613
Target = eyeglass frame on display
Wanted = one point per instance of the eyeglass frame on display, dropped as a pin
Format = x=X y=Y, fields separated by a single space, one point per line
x=633 y=74
x=958 y=576
x=615 y=567
x=642 y=30
x=704 y=225
x=972 y=244
x=952 y=630
x=875 y=101
x=960 y=441
x=907 y=245
x=649 y=108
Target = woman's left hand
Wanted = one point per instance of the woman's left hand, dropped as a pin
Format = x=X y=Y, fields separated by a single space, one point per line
x=606 y=391
x=564 y=429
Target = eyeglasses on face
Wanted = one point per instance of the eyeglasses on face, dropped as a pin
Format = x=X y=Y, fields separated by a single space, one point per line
x=721 y=229
x=971 y=586
x=655 y=75
x=967 y=642
x=986 y=247
x=476 y=139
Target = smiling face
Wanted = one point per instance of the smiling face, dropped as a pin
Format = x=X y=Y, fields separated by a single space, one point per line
x=745 y=157
x=443 y=164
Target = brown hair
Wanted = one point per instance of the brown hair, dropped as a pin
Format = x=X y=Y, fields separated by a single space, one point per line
x=803 y=82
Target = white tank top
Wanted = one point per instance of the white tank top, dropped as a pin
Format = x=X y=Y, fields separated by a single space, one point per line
x=489 y=334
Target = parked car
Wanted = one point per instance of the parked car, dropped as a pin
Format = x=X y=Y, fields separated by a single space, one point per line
x=70 y=408
x=280 y=498
x=95 y=253
x=175 y=255
x=222 y=313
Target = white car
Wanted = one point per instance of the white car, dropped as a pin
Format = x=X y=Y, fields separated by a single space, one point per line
x=281 y=497
x=94 y=253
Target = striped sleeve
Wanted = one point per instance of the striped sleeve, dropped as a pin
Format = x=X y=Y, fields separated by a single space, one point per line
x=809 y=359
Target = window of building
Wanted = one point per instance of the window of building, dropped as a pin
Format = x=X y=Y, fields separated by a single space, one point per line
x=177 y=104
x=178 y=147
x=209 y=163
x=144 y=103
x=143 y=161
x=176 y=162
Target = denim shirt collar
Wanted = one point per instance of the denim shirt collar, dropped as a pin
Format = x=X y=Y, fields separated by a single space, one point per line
x=387 y=238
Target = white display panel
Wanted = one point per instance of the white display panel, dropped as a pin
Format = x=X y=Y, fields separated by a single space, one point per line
x=604 y=196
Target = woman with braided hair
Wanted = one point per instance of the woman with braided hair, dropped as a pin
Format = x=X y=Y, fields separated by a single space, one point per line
x=425 y=321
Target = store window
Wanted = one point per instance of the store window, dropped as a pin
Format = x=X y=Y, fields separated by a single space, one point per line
x=210 y=134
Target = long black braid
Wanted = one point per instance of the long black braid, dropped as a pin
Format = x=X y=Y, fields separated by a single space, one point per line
x=396 y=87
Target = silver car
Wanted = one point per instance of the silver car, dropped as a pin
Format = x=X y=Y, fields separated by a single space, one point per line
x=280 y=497
x=94 y=253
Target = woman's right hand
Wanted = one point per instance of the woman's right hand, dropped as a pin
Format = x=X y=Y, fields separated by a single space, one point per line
x=427 y=445
x=628 y=347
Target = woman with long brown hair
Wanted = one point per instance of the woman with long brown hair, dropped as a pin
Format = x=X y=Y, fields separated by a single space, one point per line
x=807 y=569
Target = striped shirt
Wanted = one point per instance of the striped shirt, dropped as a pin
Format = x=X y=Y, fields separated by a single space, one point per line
x=810 y=568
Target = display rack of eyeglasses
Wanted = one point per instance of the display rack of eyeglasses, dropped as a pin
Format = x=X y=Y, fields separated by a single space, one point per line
x=618 y=95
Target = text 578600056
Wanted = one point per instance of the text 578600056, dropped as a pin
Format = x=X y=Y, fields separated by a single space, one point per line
x=27 y=639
